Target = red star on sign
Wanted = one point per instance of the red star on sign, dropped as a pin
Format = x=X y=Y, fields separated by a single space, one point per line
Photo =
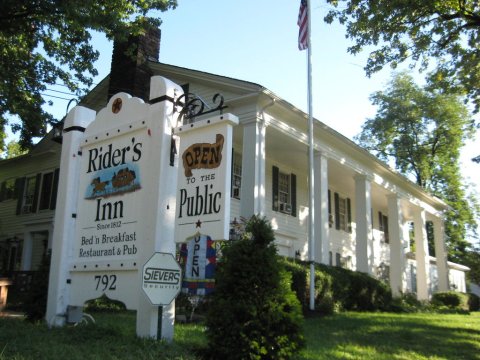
x=199 y=224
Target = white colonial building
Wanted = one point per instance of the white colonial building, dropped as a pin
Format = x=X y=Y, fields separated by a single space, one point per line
x=366 y=214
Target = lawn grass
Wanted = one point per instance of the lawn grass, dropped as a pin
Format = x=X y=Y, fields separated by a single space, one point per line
x=340 y=336
x=393 y=336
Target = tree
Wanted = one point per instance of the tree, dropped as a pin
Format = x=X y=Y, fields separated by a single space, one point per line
x=421 y=132
x=253 y=313
x=47 y=42
x=472 y=260
x=442 y=32
x=13 y=149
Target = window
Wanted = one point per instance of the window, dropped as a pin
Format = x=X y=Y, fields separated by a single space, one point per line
x=383 y=226
x=236 y=175
x=29 y=195
x=7 y=190
x=46 y=193
x=343 y=213
x=37 y=192
x=338 y=259
x=284 y=192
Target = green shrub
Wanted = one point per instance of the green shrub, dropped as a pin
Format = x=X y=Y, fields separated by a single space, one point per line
x=357 y=291
x=104 y=304
x=299 y=276
x=473 y=302
x=253 y=313
x=451 y=300
x=407 y=303
x=339 y=289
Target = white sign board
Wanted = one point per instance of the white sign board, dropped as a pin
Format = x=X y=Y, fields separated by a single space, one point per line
x=203 y=193
x=162 y=278
x=115 y=205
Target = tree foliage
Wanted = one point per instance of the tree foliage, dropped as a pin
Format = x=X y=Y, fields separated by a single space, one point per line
x=421 y=132
x=439 y=33
x=47 y=42
x=253 y=313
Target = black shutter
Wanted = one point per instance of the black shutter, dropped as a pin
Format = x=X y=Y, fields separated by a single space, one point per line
x=19 y=190
x=329 y=208
x=385 y=228
x=37 y=193
x=337 y=211
x=53 y=201
x=3 y=191
x=349 y=215
x=275 y=188
x=293 y=197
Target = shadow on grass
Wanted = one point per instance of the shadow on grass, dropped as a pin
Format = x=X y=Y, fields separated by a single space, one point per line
x=393 y=336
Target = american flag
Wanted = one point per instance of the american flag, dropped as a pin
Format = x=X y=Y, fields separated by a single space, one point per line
x=303 y=26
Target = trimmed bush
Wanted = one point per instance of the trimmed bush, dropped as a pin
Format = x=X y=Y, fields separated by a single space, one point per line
x=299 y=275
x=451 y=299
x=473 y=302
x=339 y=289
x=253 y=313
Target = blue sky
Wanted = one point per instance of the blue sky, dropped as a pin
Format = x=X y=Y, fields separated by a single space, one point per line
x=256 y=40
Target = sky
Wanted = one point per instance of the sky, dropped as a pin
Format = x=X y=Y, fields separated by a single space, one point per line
x=256 y=40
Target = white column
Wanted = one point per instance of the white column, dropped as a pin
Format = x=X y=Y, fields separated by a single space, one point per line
x=397 y=246
x=363 y=217
x=441 y=254
x=421 y=255
x=65 y=214
x=252 y=197
x=322 y=230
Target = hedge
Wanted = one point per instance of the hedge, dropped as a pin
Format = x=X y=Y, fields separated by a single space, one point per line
x=338 y=289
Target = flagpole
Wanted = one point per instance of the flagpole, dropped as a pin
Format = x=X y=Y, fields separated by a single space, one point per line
x=311 y=176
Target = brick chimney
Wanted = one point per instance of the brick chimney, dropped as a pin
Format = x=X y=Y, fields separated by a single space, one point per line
x=129 y=72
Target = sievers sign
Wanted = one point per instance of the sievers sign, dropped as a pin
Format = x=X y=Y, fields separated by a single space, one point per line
x=203 y=193
x=161 y=279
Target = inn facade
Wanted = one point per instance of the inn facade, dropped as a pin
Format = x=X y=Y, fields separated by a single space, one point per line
x=368 y=217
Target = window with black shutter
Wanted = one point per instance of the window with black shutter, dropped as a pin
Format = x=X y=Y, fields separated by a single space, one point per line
x=343 y=213
x=383 y=226
x=284 y=192
x=236 y=175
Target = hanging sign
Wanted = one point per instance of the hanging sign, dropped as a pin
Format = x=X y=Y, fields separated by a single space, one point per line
x=199 y=257
x=203 y=193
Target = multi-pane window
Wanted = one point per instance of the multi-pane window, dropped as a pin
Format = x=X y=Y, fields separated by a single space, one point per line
x=343 y=214
x=284 y=192
x=236 y=175
x=7 y=190
x=284 y=197
x=29 y=195
x=383 y=226
x=37 y=192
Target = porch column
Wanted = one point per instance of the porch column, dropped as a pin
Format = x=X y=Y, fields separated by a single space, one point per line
x=322 y=230
x=363 y=217
x=397 y=246
x=441 y=254
x=27 y=251
x=421 y=255
x=252 y=199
